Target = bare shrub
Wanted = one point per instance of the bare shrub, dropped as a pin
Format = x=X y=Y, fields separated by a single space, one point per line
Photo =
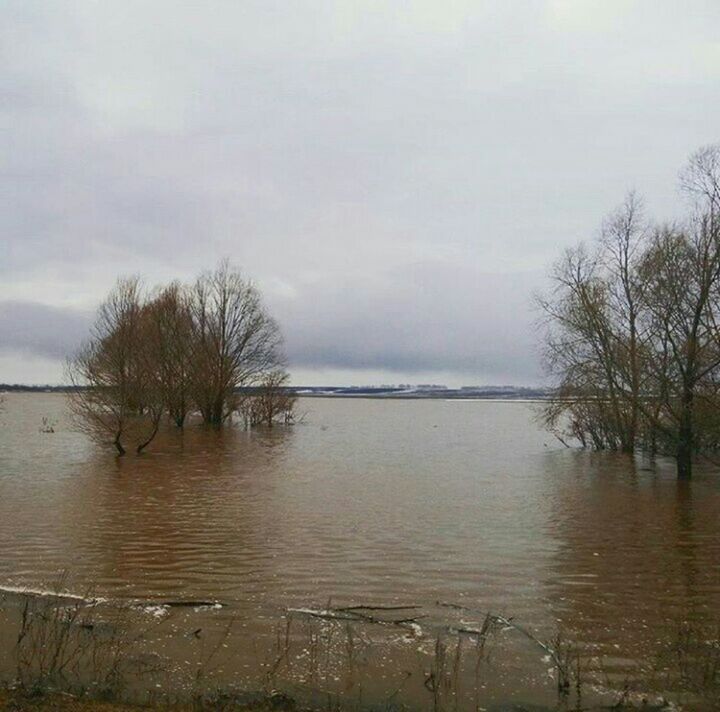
x=270 y=402
x=64 y=644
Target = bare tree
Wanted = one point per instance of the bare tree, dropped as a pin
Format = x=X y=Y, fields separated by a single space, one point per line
x=237 y=342
x=172 y=335
x=116 y=396
x=632 y=329
x=621 y=244
x=683 y=276
x=586 y=351
x=701 y=179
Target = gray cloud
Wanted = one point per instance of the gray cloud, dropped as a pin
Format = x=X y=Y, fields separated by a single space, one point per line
x=41 y=330
x=427 y=317
x=338 y=149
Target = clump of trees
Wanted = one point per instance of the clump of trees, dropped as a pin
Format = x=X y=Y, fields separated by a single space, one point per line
x=177 y=350
x=632 y=329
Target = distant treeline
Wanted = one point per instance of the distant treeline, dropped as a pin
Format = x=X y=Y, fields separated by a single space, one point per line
x=22 y=388
x=489 y=393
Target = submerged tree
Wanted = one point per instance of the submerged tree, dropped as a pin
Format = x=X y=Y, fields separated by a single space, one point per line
x=593 y=341
x=236 y=341
x=172 y=331
x=117 y=395
x=180 y=351
x=682 y=273
x=632 y=329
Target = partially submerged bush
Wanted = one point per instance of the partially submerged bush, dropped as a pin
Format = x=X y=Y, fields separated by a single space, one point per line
x=272 y=401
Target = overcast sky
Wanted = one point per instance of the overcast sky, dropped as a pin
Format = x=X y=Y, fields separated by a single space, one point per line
x=397 y=176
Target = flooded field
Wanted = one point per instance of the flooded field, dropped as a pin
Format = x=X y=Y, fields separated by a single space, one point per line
x=449 y=510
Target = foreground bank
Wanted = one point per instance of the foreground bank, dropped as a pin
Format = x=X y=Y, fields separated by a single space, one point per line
x=67 y=652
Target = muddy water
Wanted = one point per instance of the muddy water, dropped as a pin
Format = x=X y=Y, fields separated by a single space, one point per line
x=379 y=503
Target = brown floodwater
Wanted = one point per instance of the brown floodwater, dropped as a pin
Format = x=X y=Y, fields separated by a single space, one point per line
x=373 y=502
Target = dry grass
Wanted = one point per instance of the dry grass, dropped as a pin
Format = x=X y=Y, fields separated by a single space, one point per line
x=73 y=654
x=17 y=701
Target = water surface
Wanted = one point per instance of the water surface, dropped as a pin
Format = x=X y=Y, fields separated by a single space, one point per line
x=368 y=501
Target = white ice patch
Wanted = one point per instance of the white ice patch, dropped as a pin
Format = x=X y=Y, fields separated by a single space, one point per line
x=209 y=607
x=156 y=611
x=46 y=593
x=416 y=629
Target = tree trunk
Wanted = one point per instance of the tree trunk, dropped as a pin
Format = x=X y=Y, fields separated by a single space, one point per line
x=216 y=413
x=685 y=438
x=684 y=459
x=181 y=413
x=118 y=445
x=635 y=381
x=151 y=437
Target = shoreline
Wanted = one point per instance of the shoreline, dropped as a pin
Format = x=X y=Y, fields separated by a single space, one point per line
x=45 y=632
